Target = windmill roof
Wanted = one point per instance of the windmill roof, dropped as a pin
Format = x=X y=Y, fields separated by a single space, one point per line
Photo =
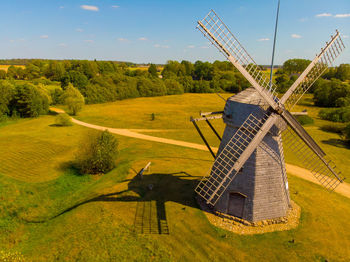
x=248 y=96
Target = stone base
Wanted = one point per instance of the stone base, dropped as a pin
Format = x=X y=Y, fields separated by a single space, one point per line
x=243 y=227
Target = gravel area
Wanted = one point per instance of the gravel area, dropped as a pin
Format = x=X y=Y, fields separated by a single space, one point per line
x=243 y=227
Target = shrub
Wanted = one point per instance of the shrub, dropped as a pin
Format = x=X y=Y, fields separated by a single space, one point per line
x=304 y=120
x=63 y=120
x=98 y=153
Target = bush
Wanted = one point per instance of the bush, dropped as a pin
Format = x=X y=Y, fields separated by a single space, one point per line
x=98 y=153
x=304 y=120
x=63 y=120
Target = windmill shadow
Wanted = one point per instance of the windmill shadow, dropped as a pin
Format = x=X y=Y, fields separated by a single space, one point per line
x=151 y=192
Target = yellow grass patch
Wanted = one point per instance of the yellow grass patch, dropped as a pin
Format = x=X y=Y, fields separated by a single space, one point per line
x=6 y=67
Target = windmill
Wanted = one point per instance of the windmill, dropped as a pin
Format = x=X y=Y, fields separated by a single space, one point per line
x=248 y=177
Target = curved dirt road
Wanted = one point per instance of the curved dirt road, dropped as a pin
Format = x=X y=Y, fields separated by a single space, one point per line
x=343 y=189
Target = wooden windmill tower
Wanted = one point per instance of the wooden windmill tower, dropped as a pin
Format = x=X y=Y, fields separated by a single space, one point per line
x=248 y=177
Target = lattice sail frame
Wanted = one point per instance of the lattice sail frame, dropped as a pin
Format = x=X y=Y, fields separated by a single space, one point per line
x=318 y=66
x=212 y=26
x=317 y=167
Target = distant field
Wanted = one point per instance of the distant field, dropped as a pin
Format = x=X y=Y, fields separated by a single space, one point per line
x=144 y=68
x=172 y=113
x=5 y=67
x=49 y=212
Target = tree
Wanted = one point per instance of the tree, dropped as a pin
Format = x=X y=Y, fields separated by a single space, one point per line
x=29 y=101
x=332 y=93
x=2 y=74
x=6 y=94
x=98 y=153
x=343 y=72
x=203 y=70
x=173 y=87
x=78 y=79
x=12 y=72
x=152 y=69
x=73 y=99
x=295 y=66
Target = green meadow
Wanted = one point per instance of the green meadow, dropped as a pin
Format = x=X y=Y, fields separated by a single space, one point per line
x=49 y=212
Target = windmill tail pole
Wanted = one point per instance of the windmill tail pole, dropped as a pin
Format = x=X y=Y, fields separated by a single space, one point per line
x=274 y=44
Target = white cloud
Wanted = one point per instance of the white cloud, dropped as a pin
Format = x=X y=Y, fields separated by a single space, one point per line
x=263 y=39
x=115 y=6
x=79 y=30
x=143 y=39
x=161 y=46
x=62 y=45
x=345 y=36
x=89 y=41
x=44 y=36
x=342 y=15
x=295 y=36
x=89 y=7
x=61 y=7
x=323 y=15
x=205 y=47
x=191 y=46
x=123 y=40
x=304 y=19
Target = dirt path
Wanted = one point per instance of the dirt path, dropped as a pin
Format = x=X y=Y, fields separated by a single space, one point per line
x=343 y=189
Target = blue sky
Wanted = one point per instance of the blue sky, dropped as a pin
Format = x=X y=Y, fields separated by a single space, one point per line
x=157 y=31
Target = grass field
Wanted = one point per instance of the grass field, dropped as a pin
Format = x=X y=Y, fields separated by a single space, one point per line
x=172 y=113
x=5 y=67
x=53 y=213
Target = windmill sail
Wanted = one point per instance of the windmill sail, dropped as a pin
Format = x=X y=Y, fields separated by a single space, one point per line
x=217 y=32
x=322 y=169
x=316 y=68
x=245 y=140
x=233 y=156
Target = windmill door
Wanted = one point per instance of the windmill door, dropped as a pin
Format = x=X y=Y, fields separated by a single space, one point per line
x=236 y=204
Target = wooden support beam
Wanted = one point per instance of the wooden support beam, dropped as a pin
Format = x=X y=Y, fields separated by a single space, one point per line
x=205 y=118
x=211 y=113
x=212 y=128
x=202 y=136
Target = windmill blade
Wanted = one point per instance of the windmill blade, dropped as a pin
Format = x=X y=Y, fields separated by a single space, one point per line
x=233 y=156
x=301 y=132
x=314 y=70
x=324 y=170
x=219 y=35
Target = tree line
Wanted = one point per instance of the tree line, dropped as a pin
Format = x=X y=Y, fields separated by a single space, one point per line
x=108 y=81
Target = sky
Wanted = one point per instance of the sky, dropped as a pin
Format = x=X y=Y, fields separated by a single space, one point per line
x=155 y=31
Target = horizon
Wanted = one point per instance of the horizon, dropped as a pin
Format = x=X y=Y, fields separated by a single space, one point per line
x=123 y=31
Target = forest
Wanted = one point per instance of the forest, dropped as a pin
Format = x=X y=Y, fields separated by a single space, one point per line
x=28 y=91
